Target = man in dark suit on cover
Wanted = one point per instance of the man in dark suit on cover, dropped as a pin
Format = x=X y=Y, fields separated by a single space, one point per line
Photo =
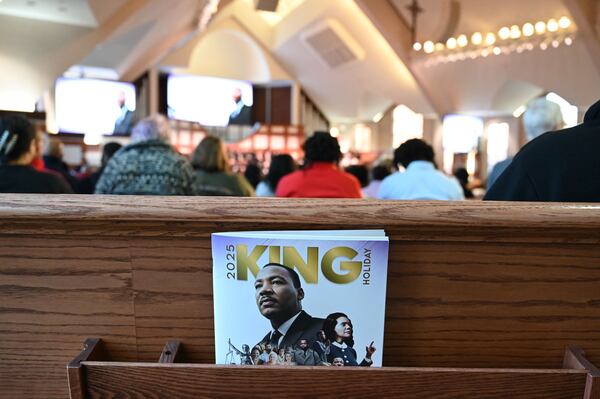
x=279 y=297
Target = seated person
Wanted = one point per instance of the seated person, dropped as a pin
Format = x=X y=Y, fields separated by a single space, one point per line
x=421 y=180
x=53 y=161
x=320 y=177
x=149 y=165
x=281 y=165
x=561 y=166
x=378 y=173
x=212 y=173
x=361 y=172
x=541 y=116
x=253 y=174
x=462 y=175
x=18 y=149
x=88 y=184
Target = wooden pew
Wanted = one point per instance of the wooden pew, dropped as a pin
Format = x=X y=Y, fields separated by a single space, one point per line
x=471 y=285
x=102 y=379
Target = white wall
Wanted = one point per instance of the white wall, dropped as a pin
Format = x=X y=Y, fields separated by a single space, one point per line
x=28 y=59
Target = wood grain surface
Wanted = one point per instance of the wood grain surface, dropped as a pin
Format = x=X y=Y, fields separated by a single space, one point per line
x=470 y=284
x=109 y=380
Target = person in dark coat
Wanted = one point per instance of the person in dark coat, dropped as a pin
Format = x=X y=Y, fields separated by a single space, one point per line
x=541 y=116
x=17 y=152
x=562 y=166
x=88 y=184
x=53 y=161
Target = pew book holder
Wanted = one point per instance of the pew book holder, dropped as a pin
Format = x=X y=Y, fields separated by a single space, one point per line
x=91 y=375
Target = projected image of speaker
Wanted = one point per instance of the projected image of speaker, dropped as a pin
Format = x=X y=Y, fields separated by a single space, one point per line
x=209 y=101
x=95 y=106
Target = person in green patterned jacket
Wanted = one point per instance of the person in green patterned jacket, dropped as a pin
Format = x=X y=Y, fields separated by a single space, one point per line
x=149 y=165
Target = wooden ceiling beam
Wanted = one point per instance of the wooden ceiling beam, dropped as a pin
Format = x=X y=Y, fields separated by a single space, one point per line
x=144 y=57
x=78 y=49
x=388 y=21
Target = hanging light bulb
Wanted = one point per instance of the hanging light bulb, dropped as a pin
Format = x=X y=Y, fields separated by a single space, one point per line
x=540 y=28
x=490 y=39
x=528 y=29
x=552 y=25
x=568 y=41
x=504 y=33
x=417 y=46
x=497 y=51
x=451 y=43
x=439 y=47
x=515 y=32
x=429 y=47
x=462 y=41
x=564 y=23
x=477 y=38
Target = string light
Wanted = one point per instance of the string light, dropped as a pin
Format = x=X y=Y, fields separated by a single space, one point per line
x=429 y=47
x=515 y=32
x=508 y=39
x=540 y=28
x=504 y=33
x=477 y=38
x=564 y=23
x=528 y=29
x=451 y=43
x=490 y=39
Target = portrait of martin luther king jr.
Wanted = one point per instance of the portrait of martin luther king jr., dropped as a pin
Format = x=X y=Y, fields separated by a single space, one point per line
x=279 y=296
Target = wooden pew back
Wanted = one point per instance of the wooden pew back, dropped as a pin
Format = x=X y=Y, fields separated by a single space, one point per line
x=470 y=284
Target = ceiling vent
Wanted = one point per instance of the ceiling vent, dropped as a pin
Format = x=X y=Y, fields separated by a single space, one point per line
x=267 y=5
x=333 y=44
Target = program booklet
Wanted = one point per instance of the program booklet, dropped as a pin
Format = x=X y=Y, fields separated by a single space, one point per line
x=300 y=298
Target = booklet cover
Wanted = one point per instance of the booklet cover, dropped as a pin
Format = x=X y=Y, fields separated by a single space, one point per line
x=314 y=298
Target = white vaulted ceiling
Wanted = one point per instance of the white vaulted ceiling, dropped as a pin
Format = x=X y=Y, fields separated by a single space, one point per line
x=130 y=36
x=43 y=38
x=500 y=84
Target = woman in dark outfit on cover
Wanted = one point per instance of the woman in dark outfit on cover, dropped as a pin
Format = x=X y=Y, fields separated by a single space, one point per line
x=18 y=149
x=338 y=329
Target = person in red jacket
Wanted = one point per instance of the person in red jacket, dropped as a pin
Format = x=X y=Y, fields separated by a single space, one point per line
x=320 y=177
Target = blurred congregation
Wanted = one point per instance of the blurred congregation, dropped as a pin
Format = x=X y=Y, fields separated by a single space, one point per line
x=259 y=119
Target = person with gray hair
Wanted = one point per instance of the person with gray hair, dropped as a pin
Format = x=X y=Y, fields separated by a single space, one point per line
x=149 y=165
x=561 y=166
x=541 y=116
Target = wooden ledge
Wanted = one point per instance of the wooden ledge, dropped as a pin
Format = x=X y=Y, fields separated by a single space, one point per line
x=293 y=211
